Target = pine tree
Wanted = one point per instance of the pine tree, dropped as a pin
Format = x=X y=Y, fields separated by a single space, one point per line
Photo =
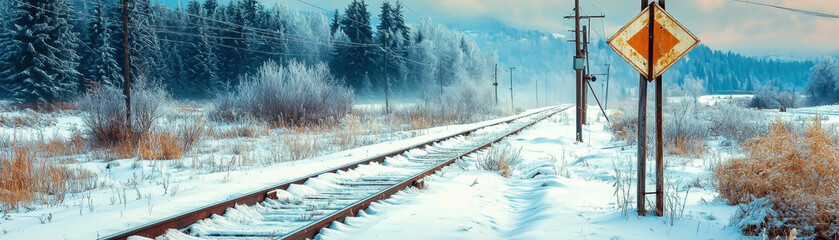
x=335 y=24
x=359 y=58
x=200 y=59
x=40 y=57
x=210 y=6
x=400 y=26
x=6 y=34
x=233 y=56
x=389 y=38
x=145 y=46
x=101 y=66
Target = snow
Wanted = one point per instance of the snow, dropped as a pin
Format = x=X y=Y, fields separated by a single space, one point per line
x=467 y=203
x=131 y=193
x=61 y=124
x=712 y=100
x=562 y=189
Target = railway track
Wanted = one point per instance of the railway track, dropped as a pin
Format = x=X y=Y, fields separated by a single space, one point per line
x=300 y=208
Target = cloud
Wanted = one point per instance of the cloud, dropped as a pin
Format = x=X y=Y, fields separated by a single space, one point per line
x=722 y=24
x=710 y=5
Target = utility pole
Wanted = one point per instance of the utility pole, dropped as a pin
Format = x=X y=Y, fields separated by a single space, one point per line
x=387 y=81
x=495 y=84
x=608 y=71
x=127 y=67
x=537 y=92
x=579 y=72
x=441 y=83
x=547 y=99
x=512 y=104
x=578 y=68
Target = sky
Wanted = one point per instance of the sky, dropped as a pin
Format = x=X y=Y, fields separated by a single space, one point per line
x=720 y=24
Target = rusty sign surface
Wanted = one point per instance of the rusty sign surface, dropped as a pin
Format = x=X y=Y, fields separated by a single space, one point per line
x=671 y=41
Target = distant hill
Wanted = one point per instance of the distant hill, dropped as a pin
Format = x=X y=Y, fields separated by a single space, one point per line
x=541 y=55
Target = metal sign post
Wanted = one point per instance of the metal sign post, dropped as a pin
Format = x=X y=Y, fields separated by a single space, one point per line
x=651 y=43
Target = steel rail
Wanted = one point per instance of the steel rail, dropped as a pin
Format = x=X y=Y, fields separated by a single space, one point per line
x=184 y=220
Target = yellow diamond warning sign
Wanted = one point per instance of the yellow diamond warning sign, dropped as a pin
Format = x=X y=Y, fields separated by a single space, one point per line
x=670 y=42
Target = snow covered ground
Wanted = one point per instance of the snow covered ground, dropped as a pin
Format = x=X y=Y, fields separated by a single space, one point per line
x=131 y=192
x=582 y=198
x=577 y=203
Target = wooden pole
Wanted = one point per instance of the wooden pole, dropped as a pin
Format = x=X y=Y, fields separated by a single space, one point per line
x=127 y=68
x=579 y=73
x=659 y=144
x=642 y=131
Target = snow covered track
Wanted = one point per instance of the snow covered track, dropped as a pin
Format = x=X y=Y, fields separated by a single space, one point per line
x=298 y=209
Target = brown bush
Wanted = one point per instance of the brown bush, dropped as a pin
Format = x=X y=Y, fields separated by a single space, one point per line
x=26 y=179
x=63 y=147
x=152 y=146
x=686 y=146
x=799 y=175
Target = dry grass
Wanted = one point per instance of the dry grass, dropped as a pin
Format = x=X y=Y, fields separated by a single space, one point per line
x=686 y=146
x=30 y=119
x=26 y=178
x=46 y=107
x=64 y=147
x=301 y=146
x=151 y=146
x=501 y=159
x=798 y=174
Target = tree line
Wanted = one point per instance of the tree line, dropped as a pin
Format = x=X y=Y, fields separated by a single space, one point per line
x=55 y=49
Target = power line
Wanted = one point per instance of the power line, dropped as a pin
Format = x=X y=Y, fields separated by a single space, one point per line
x=801 y=11
x=353 y=20
x=411 y=10
x=268 y=33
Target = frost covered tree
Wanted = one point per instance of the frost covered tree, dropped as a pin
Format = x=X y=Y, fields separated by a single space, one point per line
x=210 y=6
x=333 y=26
x=144 y=46
x=39 y=59
x=201 y=62
x=356 y=59
x=400 y=25
x=233 y=56
x=6 y=35
x=100 y=66
x=392 y=66
x=824 y=82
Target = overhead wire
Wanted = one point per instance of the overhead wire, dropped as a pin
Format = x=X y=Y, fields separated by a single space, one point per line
x=796 y=10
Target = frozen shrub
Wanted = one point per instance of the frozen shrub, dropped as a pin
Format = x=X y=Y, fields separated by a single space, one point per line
x=797 y=173
x=295 y=95
x=501 y=159
x=766 y=98
x=736 y=123
x=463 y=102
x=104 y=116
x=104 y=108
x=624 y=124
x=684 y=132
x=756 y=215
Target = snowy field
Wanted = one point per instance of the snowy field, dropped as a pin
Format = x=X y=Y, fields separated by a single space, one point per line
x=577 y=203
x=582 y=190
x=132 y=192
